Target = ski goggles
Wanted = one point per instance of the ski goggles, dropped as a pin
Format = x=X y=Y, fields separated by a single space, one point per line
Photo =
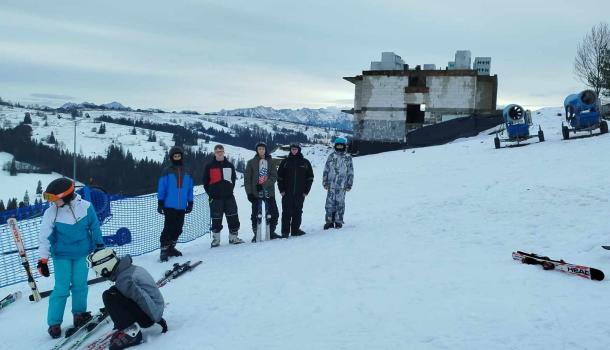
x=55 y=197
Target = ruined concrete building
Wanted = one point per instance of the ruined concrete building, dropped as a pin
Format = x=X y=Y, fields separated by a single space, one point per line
x=392 y=99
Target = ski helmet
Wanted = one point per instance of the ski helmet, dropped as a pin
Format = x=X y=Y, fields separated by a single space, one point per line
x=260 y=144
x=340 y=140
x=296 y=145
x=103 y=262
x=62 y=188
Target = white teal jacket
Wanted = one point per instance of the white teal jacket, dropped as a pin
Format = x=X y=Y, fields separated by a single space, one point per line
x=69 y=232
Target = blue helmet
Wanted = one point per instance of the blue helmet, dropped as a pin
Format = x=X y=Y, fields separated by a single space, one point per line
x=340 y=140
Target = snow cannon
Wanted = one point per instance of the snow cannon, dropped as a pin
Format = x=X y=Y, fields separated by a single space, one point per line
x=517 y=123
x=582 y=114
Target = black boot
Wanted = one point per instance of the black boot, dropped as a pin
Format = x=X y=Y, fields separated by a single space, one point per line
x=81 y=319
x=298 y=232
x=164 y=256
x=55 y=331
x=274 y=235
x=329 y=225
x=338 y=225
x=172 y=251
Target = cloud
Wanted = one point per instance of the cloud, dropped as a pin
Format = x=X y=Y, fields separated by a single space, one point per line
x=52 y=96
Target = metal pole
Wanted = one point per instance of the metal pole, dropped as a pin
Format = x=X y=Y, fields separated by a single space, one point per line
x=74 y=158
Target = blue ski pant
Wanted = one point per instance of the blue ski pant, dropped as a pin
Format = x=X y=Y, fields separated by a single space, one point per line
x=70 y=277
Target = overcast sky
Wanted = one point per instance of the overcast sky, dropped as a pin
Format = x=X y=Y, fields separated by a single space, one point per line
x=208 y=55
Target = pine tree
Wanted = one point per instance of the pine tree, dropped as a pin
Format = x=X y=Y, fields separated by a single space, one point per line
x=12 y=204
x=13 y=170
x=2 y=207
x=26 y=198
x=51 y=139
x=27 y=119
x=39 y=188
x=134 y=131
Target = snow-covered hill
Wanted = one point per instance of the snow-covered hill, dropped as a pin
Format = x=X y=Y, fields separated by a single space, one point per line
x=423 y=262
x=324 y=117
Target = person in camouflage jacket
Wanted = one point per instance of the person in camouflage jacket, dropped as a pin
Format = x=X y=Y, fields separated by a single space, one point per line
x=337 y=179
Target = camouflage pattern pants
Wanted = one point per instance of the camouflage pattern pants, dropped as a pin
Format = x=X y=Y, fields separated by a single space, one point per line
x=335 y=205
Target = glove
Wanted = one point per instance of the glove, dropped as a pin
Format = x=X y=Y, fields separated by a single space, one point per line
x=259 y=188
x=160 y=208
x=252 y=198
x=326 y=187
x=99 y=247
x=189 y=207
x=348 y=189
x=43 y=267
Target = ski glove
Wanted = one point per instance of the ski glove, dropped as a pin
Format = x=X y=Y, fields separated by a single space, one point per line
x=160 y=208
x=43 y=267
x=259 y=188
x=252 y=198
x=189 y=207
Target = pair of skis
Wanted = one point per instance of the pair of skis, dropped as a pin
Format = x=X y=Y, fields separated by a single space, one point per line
x=559 y=265
x=9 y=299
x=101 y=318
x=259 y=222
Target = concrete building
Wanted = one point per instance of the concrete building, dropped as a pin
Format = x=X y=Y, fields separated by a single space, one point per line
x=389 y=61
x=462 y=59
x=429 y=66
x=390 y=103
x=482 y=65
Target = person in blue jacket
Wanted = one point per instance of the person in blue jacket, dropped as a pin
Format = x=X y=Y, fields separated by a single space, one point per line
x=69 y=232
x=175 y=195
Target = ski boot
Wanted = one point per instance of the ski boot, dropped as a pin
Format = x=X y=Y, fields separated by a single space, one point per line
x=80 y=320
x=274 y=235
x=164 y=255
x=54 y=331
x=126 y=338
x=172 y=251
x=215 y=239
x=233 y=239
x=298 y=232
x=338 y=225
x=328 y=225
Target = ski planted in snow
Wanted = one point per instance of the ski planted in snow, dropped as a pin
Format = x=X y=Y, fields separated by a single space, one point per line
x=607 y=247
x=24 y=259
x=259 y=221
x=560 y=265
x=9 y=299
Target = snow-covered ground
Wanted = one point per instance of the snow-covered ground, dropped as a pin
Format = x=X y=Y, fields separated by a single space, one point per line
x=423 y=262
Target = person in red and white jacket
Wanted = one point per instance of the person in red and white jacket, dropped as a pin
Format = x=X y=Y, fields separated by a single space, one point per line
x=219 y=182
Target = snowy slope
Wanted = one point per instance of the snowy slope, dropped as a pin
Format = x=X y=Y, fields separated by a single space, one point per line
x=424 y=261
x=324 y=117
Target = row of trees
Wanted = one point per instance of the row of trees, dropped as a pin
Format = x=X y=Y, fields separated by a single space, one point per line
x=592 y=62
x=118 y=172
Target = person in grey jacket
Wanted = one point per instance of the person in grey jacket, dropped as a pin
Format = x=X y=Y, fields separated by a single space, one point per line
x=133 y=302
x=337 y=179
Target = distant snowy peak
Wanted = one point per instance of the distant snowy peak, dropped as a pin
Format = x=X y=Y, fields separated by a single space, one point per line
x=325 y=117
x=88 y=105
x=114 y=105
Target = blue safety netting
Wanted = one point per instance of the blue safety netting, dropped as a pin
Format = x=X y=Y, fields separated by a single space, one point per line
x=131 y=225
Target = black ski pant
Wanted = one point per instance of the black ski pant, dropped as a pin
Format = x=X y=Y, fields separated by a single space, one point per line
x=124 y=311
x=270 y=210
x=228 y=207
x=292 y=213
x=172 y=227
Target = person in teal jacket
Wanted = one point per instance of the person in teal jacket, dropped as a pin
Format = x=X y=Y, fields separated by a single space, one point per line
x=69 y=232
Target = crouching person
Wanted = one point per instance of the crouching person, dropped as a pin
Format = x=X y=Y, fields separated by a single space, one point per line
x=133 y=302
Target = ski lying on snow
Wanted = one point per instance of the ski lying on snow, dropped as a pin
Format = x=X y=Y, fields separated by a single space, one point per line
x=550 y=264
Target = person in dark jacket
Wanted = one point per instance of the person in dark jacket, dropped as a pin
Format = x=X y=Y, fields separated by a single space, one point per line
x=219 y=181
x=294 y=179
x=259 y=182
x=133 y=302
x=175 y=195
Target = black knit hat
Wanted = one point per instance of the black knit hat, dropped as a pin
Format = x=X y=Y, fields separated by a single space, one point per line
x=175 y=150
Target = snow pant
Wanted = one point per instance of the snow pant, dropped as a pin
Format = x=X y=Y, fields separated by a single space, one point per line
x=172 y=226
x=228 y=207
x=124 y=311
x=335 y=205
x=292 y=212
x=70 y=277
x=270 y=210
